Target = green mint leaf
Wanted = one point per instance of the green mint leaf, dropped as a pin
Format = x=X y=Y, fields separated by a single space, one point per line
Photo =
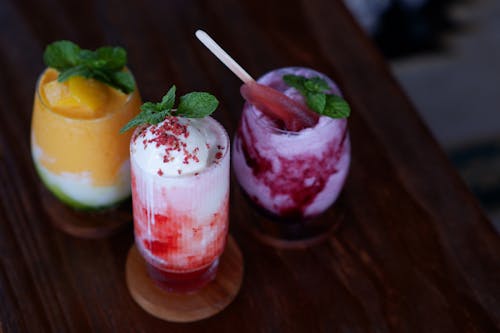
x=86 y=56
x=123 y=81
x=197 y=105
x=336 y=107
x=61 y=55
x=158 y=117
x=304 y=85
x=295 y=81
x=138 y=120
x=168 y=100
x=314 y=90
x=106 y=64
x=79 y=70
x=192 y=105
x=100 y=75
x=111 y=58
x=316 y=101
x=153 y=113
x=149 y=107
x=148 y=115
x=316 y=84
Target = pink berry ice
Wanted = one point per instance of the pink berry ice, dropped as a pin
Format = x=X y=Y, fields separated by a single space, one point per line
x=290 y=173
x=180 y=192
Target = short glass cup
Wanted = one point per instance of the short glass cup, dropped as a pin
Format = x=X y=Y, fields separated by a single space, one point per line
x=181 y=221
x=83 y=160
x=291 y=177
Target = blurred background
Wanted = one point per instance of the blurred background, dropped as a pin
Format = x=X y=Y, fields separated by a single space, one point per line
x=446 y=55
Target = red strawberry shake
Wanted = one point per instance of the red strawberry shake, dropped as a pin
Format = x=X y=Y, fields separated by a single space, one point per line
x=180 y=192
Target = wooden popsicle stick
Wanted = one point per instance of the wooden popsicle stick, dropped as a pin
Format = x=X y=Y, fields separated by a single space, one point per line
x=223 y=56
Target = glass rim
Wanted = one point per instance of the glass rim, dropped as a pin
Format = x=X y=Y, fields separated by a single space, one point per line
x=268 y=125
x=89 y=120
x=193 y=174
x=292 y=69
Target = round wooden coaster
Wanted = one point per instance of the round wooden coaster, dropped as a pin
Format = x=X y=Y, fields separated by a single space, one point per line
x=175 y=307
x=86 y=224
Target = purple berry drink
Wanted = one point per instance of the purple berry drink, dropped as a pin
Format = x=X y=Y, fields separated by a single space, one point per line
x=294 y=175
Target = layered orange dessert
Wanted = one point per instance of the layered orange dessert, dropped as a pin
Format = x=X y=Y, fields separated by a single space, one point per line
x=76 y=145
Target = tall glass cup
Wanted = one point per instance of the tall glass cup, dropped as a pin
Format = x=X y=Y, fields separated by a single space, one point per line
x=77 y=151
x=180 y=218
x=291 y=176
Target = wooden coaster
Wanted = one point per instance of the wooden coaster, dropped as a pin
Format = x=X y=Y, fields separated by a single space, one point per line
x=181 y=308
x=86 y=224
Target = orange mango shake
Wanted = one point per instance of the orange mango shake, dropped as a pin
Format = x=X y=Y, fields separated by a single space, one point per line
x=76 y=146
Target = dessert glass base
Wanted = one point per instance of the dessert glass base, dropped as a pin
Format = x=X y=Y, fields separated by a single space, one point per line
x=192 y=306
x=183 y=282
x=288 y=232
x=86 y=224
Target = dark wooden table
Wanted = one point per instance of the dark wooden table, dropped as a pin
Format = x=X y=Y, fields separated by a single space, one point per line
x=414 y=253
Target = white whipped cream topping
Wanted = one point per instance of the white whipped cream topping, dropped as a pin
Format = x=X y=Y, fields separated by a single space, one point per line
x=176 y=146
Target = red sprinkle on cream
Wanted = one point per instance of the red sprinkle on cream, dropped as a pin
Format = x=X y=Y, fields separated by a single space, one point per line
x=168 y=135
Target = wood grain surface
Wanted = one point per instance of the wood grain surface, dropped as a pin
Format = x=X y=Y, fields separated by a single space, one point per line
x=85 y=224
x=414 y=252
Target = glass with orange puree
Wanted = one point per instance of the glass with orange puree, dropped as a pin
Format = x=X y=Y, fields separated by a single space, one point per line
x=75 y=142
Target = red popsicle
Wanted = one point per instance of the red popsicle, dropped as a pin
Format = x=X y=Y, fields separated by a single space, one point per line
x=273 y=103
x=277 y=105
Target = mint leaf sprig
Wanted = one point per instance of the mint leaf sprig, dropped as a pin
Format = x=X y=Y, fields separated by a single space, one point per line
x=314 y=90
x=106 y=64
x=192 y=105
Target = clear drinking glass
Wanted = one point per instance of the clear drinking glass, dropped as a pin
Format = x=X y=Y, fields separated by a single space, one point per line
x=79 y=154
x=292 y=177
x=181 y=220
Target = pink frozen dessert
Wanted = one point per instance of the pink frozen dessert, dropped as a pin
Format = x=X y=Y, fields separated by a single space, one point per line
x=180 y=193
x=294 y=170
